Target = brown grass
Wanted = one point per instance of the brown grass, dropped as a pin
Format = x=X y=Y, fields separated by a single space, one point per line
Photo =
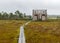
x=9 y=30
x=43 y=32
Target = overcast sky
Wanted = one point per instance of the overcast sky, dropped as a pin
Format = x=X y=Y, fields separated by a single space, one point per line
x=26 y=6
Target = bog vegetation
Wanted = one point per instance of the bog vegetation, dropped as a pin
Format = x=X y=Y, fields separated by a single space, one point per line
x=35 y=32
x=9 y=30
x=43 y=32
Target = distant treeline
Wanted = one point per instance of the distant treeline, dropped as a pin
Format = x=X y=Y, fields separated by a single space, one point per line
x=17 y=15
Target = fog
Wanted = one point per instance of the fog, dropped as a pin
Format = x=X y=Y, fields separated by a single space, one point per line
x=26 y=6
